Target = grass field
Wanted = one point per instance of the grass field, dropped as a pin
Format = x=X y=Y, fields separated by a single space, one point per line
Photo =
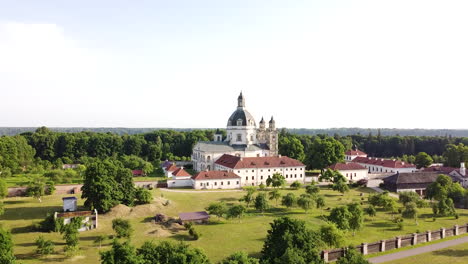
x=453 y=255
x=219 y=238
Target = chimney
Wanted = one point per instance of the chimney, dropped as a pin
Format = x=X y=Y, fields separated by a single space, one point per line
x=181 y=167
x=462 y=169
x=402 y=163
x=279 y=155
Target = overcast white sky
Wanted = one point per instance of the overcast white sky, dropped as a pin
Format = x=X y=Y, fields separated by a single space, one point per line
x=313 y=64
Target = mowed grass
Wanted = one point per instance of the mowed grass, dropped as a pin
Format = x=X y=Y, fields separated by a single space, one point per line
x=219 y=238
x=454 y=255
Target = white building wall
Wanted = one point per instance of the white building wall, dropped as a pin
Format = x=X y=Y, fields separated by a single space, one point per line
x=179 y=183
x=206 y=160
x=257 y=176
x=380 y=169
x=354 y=175
x=217 y=184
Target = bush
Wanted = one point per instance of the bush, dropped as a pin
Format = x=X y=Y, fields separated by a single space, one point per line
x=44 y=247
x=143 y=196
x=122 y=228
x=296 y=185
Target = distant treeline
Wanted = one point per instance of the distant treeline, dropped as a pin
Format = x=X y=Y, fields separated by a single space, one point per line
x=11 y=131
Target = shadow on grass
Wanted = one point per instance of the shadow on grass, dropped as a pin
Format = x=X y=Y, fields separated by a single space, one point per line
x=381 y=225
x=22 y=230
x=228 y=199
x=30 y=244
x=13 y=202
x=147 y=219
x=214 y=222
x=88 y=238
x=452 y=252
x=182 y=237
x=28 y=213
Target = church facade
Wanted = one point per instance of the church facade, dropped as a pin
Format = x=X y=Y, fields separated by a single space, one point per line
x=244 y=139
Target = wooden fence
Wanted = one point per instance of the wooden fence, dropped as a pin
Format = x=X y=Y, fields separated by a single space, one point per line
x=397 y=242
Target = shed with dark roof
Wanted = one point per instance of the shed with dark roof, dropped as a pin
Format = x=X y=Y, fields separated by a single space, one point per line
x=417 y=182
x=197 y=217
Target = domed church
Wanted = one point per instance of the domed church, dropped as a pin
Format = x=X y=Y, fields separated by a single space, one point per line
x=243 y=139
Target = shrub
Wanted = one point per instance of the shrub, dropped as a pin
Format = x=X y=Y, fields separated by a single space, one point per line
x=122 y=228
x=44 y=247
x=143 y=196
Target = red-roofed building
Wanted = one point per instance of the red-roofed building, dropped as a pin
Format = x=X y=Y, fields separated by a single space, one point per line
x=354 y=153
x=136 y=173
x=216 y=180
x=179 y=178
x=255 y=170
x=169 y=169
x=351 y=171
x=382 y=166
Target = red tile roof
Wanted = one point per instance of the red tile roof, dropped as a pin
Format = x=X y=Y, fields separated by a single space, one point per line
x=171 y=168
x=357 y=152
x=384 y=162
x=347 y=166
x=215 y=175
x=137 y=172
x=180 y=173
x=234 y=162
x=74 y=214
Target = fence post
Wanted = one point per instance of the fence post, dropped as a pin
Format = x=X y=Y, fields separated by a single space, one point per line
x=325 y=255
x=428 y=235
x=442 y=233
x=382 y=245
x=414 y=240
x=455 y=230
x=398 y=242
x=364 y=248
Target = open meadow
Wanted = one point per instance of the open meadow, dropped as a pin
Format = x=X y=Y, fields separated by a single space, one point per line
x=219 y=238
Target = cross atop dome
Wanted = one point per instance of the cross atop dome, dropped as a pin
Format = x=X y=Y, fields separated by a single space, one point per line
x=240 y=100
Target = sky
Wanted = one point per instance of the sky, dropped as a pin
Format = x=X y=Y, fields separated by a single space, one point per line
x=182 y=64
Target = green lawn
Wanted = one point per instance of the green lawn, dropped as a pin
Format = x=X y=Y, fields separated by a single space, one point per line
x=219 y=238
x=453 y=255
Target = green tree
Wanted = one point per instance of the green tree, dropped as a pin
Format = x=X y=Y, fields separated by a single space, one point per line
x=408 y=197
x=423 y=160
x=239 y=258
x=305 y=202
x=121 y=253
x=274 y=195
x=331 y=236
x=320 y=203
x=70 y=234
x=289 y=200
x=99 y=239
x=236 y=211
x=36 y=188
x=286 y=235
x=291 y=146
x=445 y=207
x=143 y=196
x=411 y=211
x=3 y=189
x=219 y=209
x=261 y=202
x=340 y=216
x=370 y=211
x=44 y=247
x=249 y=197
x=122 y=227
x=352 y=256
x=356 y=220
x=276 y=180
x=312 y=189
x=167 y=252
x=296 y=185
x=339 y=183
x=327 y=175
x=6 y=247
x=324 y=152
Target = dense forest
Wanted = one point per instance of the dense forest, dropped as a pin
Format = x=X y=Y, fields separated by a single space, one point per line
x=51 y=149
x=11 y=131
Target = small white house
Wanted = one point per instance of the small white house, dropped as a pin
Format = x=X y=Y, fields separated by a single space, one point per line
x=170 y=169
x=216 y=180
x=351 y=171
x=354 y=153
x=70 y=204
x=179 y=178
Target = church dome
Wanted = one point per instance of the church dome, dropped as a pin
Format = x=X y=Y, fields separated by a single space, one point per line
x=241 y=117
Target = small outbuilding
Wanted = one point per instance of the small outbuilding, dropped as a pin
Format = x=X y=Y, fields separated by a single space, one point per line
x=70 y=204
x=415 y=182
x=196 y=217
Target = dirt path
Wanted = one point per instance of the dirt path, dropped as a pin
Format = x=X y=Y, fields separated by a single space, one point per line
x=192 y=191
x=417 y=251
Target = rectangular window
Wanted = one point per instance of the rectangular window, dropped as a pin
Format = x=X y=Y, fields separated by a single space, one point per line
x=295 y=175
x=246 y=178
x=201 y=184
x=252 y=177
x=237 y=182
x=261 y=177
x=229 y=183
x=252 y=170
x=239 y=137
x=222 y=183
x=215 y=183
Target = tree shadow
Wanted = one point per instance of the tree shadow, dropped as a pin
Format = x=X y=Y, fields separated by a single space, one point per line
x=452 y=252
x=381 y=225
x=182 y=237
x=148 y=219
x=228 y=199
x=30 y=244
x=29 y=213
x=13 y=202
x=22 y=229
